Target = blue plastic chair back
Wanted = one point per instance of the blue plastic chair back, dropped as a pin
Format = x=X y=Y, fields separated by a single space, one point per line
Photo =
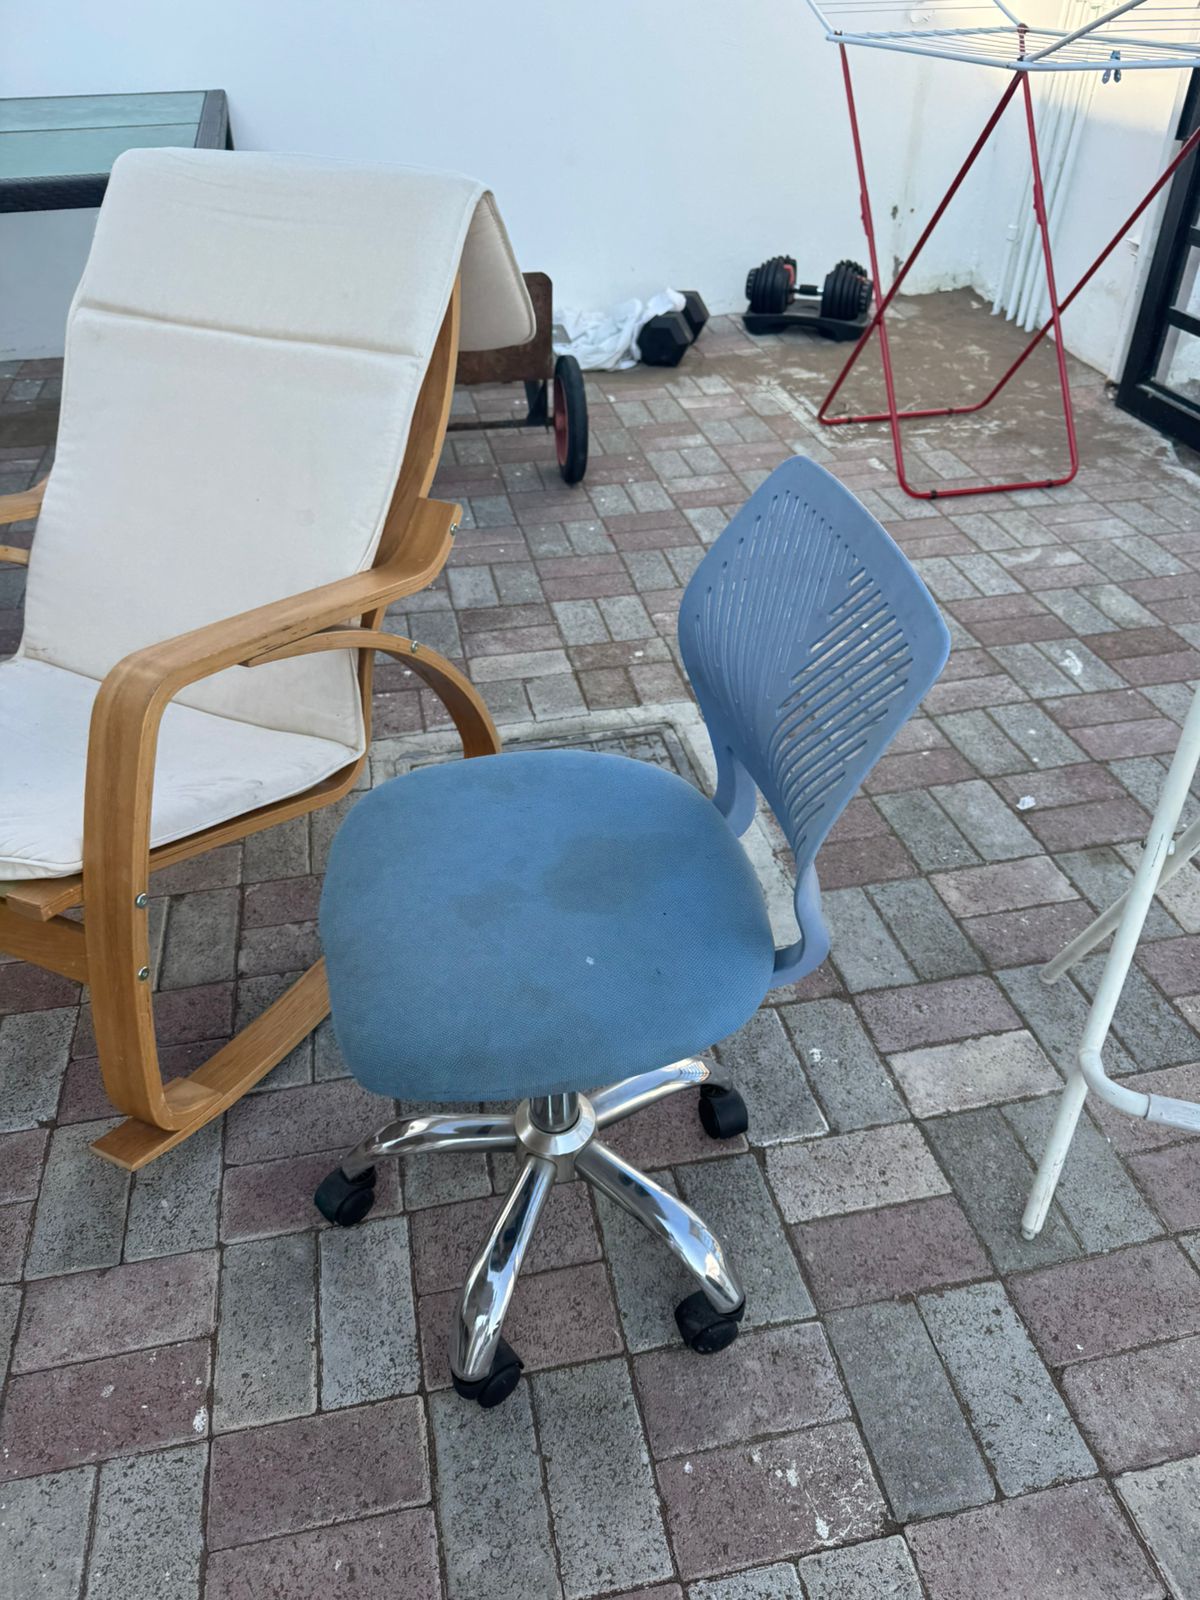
x=809 y=640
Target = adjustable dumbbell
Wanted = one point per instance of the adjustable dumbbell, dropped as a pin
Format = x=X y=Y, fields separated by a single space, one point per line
x=846 y=292
x=844 y=296
x=772 y=287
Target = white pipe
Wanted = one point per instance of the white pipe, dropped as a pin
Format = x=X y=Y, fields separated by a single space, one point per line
x=1032 y=264
x=1062 y=116
x=1157 y=850
x=1058 y=189
x=1050 y=143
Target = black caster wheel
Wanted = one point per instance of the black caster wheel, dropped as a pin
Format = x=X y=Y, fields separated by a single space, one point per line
x=570 y=419
x=705 y=1329
x=723 y=1113
x=500 y=1382
x=345 y=1201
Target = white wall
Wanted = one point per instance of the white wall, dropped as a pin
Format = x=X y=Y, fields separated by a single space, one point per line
x=1126 y=141
x=1126 y=144
x=630 y=145
x=41 y=256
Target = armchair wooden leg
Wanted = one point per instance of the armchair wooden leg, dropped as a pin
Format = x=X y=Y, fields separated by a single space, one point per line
x=160 y=1115
x=223 y=1078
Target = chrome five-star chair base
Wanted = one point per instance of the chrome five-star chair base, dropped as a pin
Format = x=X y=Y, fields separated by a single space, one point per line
x=558 y=1138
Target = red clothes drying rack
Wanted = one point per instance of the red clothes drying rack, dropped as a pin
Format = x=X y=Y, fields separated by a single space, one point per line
x=1022 y=51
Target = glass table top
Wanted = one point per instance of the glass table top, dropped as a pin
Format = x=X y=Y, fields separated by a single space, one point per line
x=69 y=135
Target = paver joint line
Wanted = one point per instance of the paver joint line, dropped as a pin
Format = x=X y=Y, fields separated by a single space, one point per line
x=921 y=1403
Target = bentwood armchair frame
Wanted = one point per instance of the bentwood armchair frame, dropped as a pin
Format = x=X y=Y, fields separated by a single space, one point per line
x=109 y=949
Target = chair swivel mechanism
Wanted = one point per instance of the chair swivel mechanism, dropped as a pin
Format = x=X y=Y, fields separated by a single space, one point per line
x=526 y=927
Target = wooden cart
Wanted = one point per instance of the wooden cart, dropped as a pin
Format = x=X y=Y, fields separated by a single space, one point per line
x=554 y=391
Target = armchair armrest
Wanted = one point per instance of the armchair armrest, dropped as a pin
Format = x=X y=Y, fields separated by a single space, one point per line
x=19 y=507
x=24 y=504
x=154 y=674
x=123 y=734
x=459 y=696
x=122 y=744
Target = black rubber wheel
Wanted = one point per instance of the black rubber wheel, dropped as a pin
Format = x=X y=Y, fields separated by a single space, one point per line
x=570 y=419
x=723 y=1113
x=705 y=1329
x=500 y=1382
x=345 y=1201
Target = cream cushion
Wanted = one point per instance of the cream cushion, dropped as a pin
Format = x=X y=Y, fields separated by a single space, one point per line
x=243 y=357
x=209 y=769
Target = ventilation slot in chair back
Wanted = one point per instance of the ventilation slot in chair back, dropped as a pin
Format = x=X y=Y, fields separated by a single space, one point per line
x=809 y=639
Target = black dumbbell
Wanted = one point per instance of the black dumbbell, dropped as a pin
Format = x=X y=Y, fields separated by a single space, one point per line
x=695 y=312
x=846 y=293
x=771 y=288
x=663 y=340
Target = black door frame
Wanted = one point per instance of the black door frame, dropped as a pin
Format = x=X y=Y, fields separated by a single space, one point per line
x=1139 y=392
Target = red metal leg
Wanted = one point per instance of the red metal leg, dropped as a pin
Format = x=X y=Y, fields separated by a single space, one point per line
x=883 y=301
x=1060 y=350
x=894 y=416
x=877 y=321
x=1163 y=178
x=1185 y=150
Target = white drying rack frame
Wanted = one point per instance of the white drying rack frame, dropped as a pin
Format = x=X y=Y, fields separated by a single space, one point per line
x=1171 y=35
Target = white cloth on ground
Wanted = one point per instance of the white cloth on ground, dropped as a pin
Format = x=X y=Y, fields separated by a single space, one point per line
x=606 y=341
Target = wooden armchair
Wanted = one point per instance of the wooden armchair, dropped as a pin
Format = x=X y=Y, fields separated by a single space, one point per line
x=260 y=361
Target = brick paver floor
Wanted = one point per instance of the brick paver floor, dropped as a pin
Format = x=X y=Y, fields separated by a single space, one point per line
x=209 y=1394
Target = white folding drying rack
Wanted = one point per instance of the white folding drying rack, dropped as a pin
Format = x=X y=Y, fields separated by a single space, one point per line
x=1165 y=34
x=1138 y=35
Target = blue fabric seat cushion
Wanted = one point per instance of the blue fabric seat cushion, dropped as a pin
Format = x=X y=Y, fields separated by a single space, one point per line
x=534 y=923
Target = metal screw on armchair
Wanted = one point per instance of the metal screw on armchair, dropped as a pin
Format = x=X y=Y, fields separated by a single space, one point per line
x=578 y=915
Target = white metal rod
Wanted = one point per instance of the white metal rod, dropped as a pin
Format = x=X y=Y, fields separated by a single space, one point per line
x=1186 y=846
x=1014 y=64
x=1055 y=1155
x=925 y=50
x=1133 y=907
x=820 y=16
x=1149 y=64
x=1171 y=802
x=1088 y=27
x=1015 y=20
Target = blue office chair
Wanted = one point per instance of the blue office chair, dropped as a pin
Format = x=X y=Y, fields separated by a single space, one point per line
x=531 y=925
